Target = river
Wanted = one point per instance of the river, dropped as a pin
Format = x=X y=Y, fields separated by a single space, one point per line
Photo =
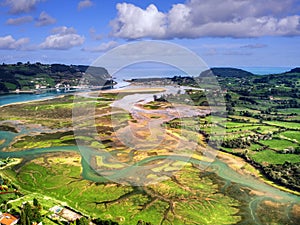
x=219 y=167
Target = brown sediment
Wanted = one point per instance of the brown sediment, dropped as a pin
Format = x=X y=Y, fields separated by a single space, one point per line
x=68 y=158
x=238 y=164
x=296 y=211
x=273 y=204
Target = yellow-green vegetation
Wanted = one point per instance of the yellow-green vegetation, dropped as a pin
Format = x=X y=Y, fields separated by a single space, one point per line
x=261 y=143
x=53 y=113
x=59 y=176
x=43 y=141
x=288 y=125
x=187 y=198
x=291 y=135
x=278 y=144
x=156 y=105
x=272 y=157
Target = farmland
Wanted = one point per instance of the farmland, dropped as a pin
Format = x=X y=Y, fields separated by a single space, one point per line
x=89 y=168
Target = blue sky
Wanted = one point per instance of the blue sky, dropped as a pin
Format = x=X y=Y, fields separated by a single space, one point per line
x=237 y=33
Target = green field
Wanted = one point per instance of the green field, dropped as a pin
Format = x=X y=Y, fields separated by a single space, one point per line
x=290 y=111
x=193 y=198
x=292 y=135
x=273 y=157
x=288 y=125
x=278 y=144
x=230 y=125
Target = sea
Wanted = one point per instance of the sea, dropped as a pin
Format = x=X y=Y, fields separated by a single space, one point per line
x=266 y=70
x=131 y=73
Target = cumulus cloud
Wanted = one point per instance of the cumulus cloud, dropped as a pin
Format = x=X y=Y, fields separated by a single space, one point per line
x=214 y=18
x=133 y=22
x=21 y=6
x=84 y=4
x=8 y=42
x=62 y=38
x=19 y=21
x=44 y=19
x=102 y=47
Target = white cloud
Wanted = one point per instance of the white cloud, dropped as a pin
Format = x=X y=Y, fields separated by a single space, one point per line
x=134 y=22
x=63 y=30
x=8 y=42
x=19 y=21
x=214 y=18
x=102 y=47
x=21 y=6
x=84 y=4
x=45 y=19
x=94 y=35
x=62 y=38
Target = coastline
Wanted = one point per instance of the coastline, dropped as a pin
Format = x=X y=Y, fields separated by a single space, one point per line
x=36 y=100
x=126 y=89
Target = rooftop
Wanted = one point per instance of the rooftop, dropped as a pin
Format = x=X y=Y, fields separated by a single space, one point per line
x=8 y=219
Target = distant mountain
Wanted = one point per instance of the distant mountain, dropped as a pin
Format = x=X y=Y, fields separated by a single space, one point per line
x=226 y=72
x=26 y=76
x=295 y=70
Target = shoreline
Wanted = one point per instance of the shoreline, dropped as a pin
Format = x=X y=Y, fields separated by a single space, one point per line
x=126 y=89
x=234 y=162
x=35 y=100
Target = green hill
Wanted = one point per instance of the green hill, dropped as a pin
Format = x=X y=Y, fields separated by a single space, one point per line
x=295 y=70
x=226 y=72
x=27 y=76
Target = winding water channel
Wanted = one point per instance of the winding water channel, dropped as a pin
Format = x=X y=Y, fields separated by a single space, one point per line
x=219 y=167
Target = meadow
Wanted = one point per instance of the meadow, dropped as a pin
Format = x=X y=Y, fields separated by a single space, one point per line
x=173 y=201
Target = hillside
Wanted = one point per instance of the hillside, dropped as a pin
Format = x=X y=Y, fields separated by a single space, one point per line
x=35 y=76
x=295 y=70
x=227 y=72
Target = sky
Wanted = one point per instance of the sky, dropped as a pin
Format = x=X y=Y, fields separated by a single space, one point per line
x=239 y=33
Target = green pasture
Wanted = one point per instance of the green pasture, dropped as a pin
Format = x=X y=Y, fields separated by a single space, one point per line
x=292 y=135
x=283 y=124
x=278 y=144
x=273 y=157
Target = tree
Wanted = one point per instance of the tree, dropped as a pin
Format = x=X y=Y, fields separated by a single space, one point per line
x=36 y=215
x=35 y=202
x=142 y=222
x=99 y=221
x=228 y=97
x=28 y=221
x=23 y=218
x=8 y=205
x=31 y=214
x=82 y=221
